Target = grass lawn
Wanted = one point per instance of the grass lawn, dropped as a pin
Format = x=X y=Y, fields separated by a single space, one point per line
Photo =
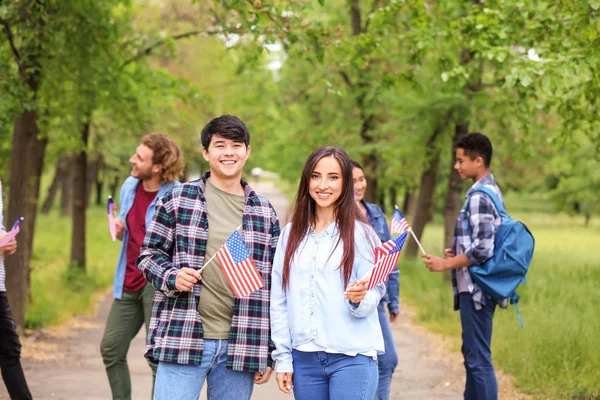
x=557 y=354
x=57 y=292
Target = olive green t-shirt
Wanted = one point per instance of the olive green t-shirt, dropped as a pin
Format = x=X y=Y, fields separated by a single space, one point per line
x=217 y=299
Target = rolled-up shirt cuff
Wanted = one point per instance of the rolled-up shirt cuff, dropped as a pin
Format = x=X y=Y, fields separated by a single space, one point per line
x=284 y=366
x=475 y=258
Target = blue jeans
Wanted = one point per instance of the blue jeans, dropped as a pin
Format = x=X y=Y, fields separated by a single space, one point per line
x=184 y=382
x=322 y=376
x=388 y=361
x=477 y=338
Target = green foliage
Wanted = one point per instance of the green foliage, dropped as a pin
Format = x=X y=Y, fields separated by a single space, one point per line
x=578 y=181
x=544 y=357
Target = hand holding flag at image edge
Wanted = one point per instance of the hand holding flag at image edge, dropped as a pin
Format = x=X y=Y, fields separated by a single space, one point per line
x=112 y=226
x=239 y=269
x=16 y=228
x=386 y=259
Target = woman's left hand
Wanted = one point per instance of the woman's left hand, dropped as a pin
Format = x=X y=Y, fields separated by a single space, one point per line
x=357 y=290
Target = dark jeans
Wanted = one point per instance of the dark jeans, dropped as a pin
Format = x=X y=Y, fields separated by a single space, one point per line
x=477 y=338
x=10 y=354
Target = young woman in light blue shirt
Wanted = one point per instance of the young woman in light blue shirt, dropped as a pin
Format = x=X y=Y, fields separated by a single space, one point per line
x=324 y=322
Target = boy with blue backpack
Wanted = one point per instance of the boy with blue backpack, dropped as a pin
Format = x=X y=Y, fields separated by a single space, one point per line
x=473 y=244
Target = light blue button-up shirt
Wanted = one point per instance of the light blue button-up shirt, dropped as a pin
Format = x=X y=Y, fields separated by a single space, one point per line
x=313 y=308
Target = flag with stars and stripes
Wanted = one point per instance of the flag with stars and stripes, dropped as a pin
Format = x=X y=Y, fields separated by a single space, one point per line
x=112 y=224
x=386 y=259
x=398 y=223
x=16 y=228
x=239 y=269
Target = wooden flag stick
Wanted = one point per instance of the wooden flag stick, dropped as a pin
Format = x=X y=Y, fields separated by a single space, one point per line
x=416 y=240
x=414 y=236
x=208 y=262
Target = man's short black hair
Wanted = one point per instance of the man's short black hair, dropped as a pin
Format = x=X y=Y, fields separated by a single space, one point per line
x=228 y=127
x=476 y=145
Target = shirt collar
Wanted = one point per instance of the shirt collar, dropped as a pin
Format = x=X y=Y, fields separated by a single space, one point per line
x=486 y=180
x=250 y=195
x=332 y=230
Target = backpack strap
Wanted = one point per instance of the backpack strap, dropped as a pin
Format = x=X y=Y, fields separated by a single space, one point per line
x=495 y=200
x=493 y=197
x=514 y=300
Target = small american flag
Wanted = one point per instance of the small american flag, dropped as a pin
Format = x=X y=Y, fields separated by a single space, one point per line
x=386 y=259
x=112 y=226
x=398 y=223
x=236 y=263
x=16 y=228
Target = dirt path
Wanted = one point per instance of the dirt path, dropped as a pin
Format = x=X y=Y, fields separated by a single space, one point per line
x=64 y=362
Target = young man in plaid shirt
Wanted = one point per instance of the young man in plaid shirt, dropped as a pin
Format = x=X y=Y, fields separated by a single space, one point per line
x=473 y=244
x=199 y=331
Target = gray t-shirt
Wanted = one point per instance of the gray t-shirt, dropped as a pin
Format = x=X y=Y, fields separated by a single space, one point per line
x=217 y=299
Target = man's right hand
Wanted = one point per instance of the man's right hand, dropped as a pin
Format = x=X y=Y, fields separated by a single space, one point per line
x=10 y=247
x=186 y=278
x=448 y=253
x=120 y=225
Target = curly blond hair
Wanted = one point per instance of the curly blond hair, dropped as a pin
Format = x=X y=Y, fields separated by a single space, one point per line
x=167 y=153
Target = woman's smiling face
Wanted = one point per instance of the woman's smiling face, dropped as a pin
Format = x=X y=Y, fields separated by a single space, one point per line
x=326 y=182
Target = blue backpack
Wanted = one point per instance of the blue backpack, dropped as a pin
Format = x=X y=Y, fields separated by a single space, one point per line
x=502 y=273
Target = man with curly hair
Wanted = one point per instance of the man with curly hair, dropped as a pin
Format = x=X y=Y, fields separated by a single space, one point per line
x=155 y=166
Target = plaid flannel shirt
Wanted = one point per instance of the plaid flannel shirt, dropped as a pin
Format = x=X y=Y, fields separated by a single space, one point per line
x=480 y=213
x=177 y=238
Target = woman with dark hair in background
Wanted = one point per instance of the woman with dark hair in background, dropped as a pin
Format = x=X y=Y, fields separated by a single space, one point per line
x=323 y=320
x=388 y=361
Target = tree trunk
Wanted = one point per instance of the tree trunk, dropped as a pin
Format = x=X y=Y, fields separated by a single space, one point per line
x=52 y=190
x=66 y=188
x=381 y=199
x=114 y=189
x=370 y=165
x=368 y=119
x=99 y=190
x=26 y=167
x=27 y=160
x=61 y=166
x=356 y=17
x=79 y=201
x=453 y=201
x=408 y=205
x=588 y=217
x=93 y=173
x=100 y=178
x=427 y=188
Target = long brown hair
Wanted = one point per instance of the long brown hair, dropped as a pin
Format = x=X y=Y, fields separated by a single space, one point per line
x=346 y=212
